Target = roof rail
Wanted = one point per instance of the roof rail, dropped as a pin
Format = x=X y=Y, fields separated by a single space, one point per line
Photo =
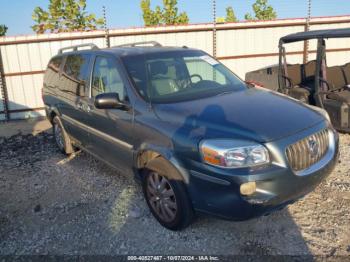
x=153 y=43
x=76 y=47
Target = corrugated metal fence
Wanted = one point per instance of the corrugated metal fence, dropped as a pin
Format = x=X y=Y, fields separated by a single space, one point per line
x=243 y=47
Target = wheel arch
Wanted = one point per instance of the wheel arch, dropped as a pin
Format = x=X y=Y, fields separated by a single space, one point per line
x=51 y=113
x=149 y=152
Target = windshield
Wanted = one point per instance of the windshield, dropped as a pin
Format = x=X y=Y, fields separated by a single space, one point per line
x=177 y=76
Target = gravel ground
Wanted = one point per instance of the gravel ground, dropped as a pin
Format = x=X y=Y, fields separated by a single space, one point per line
x=50 y=204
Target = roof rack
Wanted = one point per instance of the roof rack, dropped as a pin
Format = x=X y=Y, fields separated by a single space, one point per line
x=153 y=43
x=76 y=47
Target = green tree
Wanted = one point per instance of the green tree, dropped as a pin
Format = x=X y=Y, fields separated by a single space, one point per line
x=230 y=15
x=262 y=10
x=64 y=16
x=220 y=20
x=3 y=30
x=168 y=15
x=150 y=17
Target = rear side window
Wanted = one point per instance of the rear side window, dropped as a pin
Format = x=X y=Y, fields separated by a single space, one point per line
x=51 y=77
x=55 y=63
x=106 y=78
x=76 y=74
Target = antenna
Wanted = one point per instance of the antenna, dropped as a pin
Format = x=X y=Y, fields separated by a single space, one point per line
x=108 y=45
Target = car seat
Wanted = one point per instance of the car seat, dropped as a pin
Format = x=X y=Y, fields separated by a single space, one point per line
x=295 y=77
x=337 y=84
x=161 y=83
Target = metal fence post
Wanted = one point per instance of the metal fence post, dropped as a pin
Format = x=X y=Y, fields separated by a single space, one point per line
x=307 y=28
x=108 y=45
x=3 y=90
x=214 y=28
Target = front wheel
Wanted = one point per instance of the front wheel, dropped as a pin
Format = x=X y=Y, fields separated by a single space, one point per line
x=166 y=195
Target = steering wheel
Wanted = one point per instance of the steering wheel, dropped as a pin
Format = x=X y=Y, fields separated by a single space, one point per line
x=196 y=75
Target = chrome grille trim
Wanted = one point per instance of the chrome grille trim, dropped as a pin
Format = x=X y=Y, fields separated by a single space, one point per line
x=300 y=155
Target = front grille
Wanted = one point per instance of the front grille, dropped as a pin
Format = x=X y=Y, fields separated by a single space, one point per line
x=308 y=151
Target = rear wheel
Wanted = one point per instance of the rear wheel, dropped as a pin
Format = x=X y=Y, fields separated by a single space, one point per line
x=61 y=137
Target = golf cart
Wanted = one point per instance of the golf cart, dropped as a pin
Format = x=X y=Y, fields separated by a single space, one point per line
x=313 y=82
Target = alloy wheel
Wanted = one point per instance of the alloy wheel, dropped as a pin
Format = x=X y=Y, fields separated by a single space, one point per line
x=161 y=197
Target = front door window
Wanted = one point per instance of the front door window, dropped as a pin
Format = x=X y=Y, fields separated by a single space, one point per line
x=106 y=78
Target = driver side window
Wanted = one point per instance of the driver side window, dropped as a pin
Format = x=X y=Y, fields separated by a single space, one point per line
x=106 y=78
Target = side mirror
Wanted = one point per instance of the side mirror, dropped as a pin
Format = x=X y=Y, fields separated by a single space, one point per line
x=108 y=101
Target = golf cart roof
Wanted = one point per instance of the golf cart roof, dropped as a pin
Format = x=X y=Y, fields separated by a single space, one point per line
x=316 y=34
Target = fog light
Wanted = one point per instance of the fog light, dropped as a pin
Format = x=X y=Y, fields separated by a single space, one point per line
x=248 y=188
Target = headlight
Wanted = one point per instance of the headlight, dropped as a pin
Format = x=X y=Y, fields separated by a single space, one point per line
x=233 y=153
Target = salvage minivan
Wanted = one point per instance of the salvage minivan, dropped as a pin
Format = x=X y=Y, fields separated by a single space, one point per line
x=197 y=137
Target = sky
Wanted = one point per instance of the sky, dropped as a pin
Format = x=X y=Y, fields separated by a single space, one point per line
x=16 y=14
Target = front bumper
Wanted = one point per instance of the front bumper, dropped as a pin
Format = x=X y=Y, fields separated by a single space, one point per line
x=217 y=191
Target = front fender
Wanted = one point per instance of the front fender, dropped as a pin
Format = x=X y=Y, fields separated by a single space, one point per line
x=167 y=154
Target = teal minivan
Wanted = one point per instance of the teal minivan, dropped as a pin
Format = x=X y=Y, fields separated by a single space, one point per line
x=197 y=137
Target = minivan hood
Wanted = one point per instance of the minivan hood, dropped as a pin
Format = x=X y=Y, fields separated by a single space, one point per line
x=254 y=114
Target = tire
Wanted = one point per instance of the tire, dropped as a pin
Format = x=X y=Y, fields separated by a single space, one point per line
x=169 y=203
x=61 y=137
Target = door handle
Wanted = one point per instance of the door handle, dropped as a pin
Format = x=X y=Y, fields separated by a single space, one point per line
x=84 y=107
x=80 y=106
x=88 y=109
